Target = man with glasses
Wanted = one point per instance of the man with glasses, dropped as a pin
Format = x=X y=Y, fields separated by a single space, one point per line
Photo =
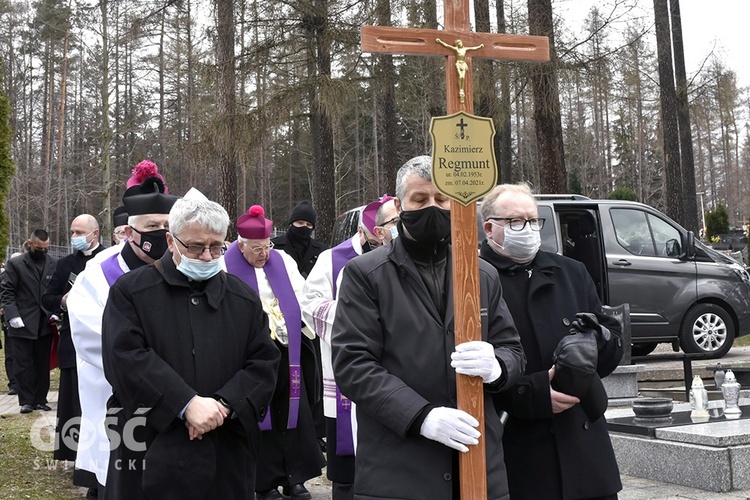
x=554 y=446
x=25 y=279
x=147 y=205
x=289 y=450
x=84 y=240
x=319 y=308
x=189 y=344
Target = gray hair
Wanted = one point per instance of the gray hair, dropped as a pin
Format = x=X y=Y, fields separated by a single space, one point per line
x=203 y=213
x=488 y=203
x=420 y=165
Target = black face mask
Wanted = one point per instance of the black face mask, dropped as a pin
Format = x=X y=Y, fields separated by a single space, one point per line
x=300 y=233
x=153 y=243
x=428 y=225
x=37 y=255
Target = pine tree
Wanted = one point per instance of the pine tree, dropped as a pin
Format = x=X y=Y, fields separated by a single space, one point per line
x=7 y=170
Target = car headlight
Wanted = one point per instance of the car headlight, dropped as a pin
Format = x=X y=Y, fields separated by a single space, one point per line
x=741 y=273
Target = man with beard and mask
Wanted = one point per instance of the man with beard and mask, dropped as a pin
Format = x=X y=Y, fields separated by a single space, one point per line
x=298 y=242
x=84 y=239
x=148 y=205
x=555 y=446
x=189 y=344
x=289 y=451
x=394 y=354
x=25 y=279
x=318 y=304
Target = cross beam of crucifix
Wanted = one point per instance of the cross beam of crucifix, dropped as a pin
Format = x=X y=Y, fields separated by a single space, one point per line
x=415 y=41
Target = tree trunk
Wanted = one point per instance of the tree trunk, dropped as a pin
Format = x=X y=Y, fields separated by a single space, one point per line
x=668 y=113
x=689 y=200
x=503 y=142
x=387 y=83
x=106 y=136
x=226 y=136
x=547 y=119
x=60 y=191
x=324 y=181
x=485 y=102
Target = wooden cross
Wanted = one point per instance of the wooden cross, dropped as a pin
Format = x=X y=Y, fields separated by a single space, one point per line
x=415 y=41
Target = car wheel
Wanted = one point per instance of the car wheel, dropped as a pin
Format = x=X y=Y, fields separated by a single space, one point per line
x=707 y=329
x=642 y=348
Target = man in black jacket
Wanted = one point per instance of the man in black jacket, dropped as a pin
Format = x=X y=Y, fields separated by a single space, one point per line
x=554 y=446
x=394 y=355
x=84 y=239
x=26 y=278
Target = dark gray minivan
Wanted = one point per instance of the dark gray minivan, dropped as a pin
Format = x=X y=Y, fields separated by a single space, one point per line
x=679 y=290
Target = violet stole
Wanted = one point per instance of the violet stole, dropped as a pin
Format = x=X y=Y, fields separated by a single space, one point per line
x=111 y=269
x=282 y=288
x=340 y=255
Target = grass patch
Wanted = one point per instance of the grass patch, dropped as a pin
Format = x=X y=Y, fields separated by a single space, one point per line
x=26 y=471
x=30 y=473
x=742 y=341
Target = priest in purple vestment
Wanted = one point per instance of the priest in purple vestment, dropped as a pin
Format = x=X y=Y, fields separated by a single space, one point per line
x=289 y=454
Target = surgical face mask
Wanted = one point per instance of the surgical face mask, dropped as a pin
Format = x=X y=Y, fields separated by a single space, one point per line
x=394 y=232
x=520 y=246
x=197 y=269
x=80 y=242
x=153 y=243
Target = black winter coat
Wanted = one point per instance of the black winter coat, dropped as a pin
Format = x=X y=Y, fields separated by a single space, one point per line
x=163 y=342
x=391 y=356
x=305 y=262
x=563 y=456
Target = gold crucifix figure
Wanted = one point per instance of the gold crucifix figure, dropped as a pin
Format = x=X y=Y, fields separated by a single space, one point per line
x=461 y=65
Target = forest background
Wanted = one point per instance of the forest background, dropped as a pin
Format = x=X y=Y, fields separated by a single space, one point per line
x=271 y=102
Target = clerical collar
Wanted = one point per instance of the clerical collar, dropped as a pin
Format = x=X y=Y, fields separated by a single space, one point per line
x=88 y=253
x=130 y=258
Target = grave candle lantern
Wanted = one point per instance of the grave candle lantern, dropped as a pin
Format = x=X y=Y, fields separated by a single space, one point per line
x=698 y=401
x=731 y=391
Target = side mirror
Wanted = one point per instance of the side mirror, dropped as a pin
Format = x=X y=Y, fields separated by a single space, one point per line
x=673 y=248
x=690 y=248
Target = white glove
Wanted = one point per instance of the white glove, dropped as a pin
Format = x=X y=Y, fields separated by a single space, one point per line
x=451 y=427
x=477 y=359
x=16 y=322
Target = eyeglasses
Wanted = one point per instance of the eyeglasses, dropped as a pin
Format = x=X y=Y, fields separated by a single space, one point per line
x=260 y=250
x=517 y=224
x=121 y=232
x=197 y=250
x=392 y=221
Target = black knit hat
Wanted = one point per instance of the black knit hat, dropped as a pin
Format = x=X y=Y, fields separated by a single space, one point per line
x=303 y=211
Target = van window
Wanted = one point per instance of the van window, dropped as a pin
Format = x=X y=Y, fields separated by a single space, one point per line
x=641 y=233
